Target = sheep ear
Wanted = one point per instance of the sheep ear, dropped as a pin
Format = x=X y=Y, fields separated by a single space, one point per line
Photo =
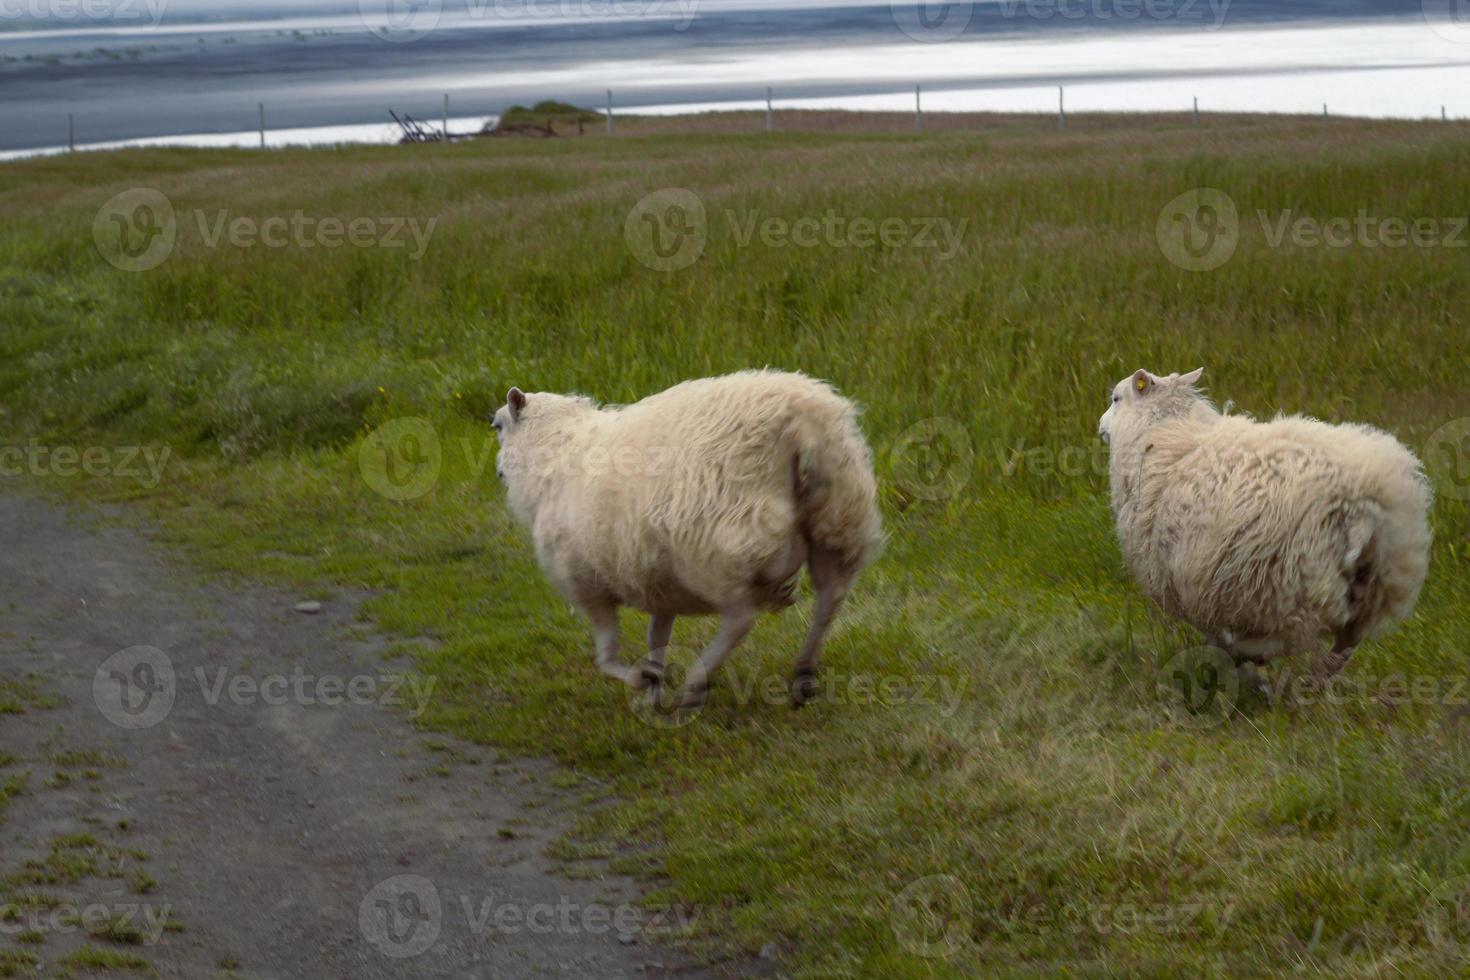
x=1142 y=381
x=515 y=400
x=1192 y=376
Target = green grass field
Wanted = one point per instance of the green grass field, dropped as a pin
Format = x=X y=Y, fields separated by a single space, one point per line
x=993 y=782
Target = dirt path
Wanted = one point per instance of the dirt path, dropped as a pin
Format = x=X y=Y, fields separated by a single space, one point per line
x=213 y=758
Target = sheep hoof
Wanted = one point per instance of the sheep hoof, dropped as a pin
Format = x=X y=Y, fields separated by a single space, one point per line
x=1332 y=662
x=803 y=687
x=649 y=676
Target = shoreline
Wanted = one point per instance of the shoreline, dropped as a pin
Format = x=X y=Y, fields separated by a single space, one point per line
x=666 y=120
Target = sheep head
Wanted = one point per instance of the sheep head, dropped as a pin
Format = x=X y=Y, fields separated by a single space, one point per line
x=535 y=431
x=1143 y=399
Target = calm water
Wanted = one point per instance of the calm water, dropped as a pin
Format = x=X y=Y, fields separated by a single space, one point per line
x=196 y=70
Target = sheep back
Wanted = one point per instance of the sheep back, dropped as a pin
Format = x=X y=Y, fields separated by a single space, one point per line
x=1280 y=530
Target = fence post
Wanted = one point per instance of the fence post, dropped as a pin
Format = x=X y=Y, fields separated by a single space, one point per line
x=71 y=133
x=262 y=125
x=770 y=123
x=446 y=117
x=1324 y=110
x=918 y=112
x=1443 y=116
x=1061 y=110
x=1196 y=110
x=609 y=112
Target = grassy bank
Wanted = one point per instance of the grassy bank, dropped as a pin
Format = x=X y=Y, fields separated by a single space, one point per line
x=992 y=782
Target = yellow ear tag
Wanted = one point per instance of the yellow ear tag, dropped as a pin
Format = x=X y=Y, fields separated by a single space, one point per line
x=1140 y=384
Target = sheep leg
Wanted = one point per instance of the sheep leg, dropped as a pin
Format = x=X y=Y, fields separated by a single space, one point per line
x=651 y=670
x=605 y=628
x=1343 y=645
x=735 y=623
x=831 y=586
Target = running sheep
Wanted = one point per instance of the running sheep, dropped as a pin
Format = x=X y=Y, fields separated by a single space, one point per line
x=1264 y=535
x=706 y=498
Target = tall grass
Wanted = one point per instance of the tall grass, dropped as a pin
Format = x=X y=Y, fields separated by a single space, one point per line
x=1020 y=753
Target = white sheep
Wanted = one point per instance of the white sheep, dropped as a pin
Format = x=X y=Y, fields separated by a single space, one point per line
x=705 y=498
x=1265 y=535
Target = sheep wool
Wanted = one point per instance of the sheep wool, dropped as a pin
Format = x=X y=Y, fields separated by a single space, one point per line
x=705 y=498
x=1265 y=535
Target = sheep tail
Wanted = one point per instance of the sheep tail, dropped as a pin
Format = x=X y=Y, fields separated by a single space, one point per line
x=1383 y=565
x=832 y=481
